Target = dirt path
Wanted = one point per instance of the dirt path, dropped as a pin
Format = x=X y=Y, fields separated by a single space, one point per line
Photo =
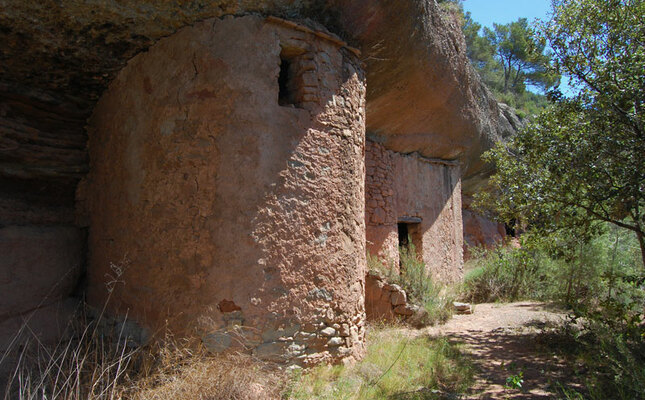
x=503 y=341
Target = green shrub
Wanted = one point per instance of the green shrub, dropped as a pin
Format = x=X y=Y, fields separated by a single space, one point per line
x=506 y=274
x=561 y=268
x=422 y=289
x=609 y=344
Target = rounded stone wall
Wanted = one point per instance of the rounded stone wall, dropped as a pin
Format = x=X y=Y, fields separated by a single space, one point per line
x=225 y=196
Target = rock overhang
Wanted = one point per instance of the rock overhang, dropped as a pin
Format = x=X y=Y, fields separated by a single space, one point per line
x=59 y=57
x=423 y=96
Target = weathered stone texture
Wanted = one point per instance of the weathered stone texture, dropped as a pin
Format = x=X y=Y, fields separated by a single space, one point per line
x=409 y=186
x=380 y=205
x=241 y=220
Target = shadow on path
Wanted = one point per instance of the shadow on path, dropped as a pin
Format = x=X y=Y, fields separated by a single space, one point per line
x=504 y=341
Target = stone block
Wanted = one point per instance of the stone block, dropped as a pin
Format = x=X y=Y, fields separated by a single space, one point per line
x=404 y=310
x=217 y=342
x=273 y=351
x=462 y=308
x=329 y=331
x=398 y=297
x=271 y=335
x=419 y=319
x=379 y=215
x=392 y=287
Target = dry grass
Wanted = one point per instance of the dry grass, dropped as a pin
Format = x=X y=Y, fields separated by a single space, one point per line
x=93 y=365
x=97 y=360
x=183 y=374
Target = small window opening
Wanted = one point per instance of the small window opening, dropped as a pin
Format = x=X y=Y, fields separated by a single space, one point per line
x=286 y=95
x=289 y=79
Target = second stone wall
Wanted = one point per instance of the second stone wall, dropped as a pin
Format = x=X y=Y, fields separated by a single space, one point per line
x=409 y=188
x=479 y=231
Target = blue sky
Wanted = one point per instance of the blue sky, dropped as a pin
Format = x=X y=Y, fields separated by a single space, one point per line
x=504 y=11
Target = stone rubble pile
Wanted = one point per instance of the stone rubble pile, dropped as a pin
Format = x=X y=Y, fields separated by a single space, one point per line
x=389 y=302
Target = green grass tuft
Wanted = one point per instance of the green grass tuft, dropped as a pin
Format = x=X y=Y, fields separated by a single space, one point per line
x=394 y=367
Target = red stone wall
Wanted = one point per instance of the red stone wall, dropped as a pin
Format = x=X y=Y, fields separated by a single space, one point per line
x=381 y=206
x=399 y=186
x=479 y=231
x=240 y=220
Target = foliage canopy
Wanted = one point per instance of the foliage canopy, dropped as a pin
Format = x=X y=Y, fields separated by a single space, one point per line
x=509 y=58
x=583 y=159
x=522 y=56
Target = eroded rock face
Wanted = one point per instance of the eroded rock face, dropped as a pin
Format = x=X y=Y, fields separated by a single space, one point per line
x=423 y=95
x=480 y=231
x=227 y=168
x=42 y=253
x=78 y=47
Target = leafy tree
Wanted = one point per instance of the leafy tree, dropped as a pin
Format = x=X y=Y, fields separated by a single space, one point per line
x=478 y=48
x=583 y=160
x=509 y=83
x=521 y=55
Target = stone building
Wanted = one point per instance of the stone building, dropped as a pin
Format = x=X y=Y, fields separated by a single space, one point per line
x=227 y=167
x=206 y=169
x=414 y=200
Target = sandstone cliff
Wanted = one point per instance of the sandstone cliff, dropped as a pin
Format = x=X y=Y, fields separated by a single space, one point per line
x=422 y=94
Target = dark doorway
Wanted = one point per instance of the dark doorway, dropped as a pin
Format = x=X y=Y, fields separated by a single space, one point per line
x=409 y=229
x=404 y=235
x=509 y=227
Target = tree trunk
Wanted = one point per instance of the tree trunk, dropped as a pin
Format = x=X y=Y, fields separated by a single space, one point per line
x=507 y=71
x=641 y=242
x=517 y=76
